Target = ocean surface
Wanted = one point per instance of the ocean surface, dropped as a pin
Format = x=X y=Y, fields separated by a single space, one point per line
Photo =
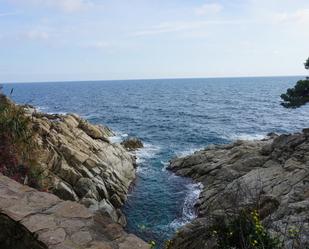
x=173 y=117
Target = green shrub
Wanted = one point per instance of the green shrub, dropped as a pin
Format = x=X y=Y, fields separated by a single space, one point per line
x=17 y=148
x=297 y=96
x=243 y=231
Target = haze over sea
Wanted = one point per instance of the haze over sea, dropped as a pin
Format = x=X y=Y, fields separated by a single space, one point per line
x=172 y=117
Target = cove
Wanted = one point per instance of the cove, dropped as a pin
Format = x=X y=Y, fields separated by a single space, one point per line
x=172 y=118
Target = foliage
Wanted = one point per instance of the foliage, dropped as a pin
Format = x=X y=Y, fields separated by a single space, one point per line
x=17 y=149
x=243 y=231
x=299 y=95
x=152 y=243
x=307 y=64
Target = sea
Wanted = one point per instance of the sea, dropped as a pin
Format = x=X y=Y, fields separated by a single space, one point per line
x=173 y=118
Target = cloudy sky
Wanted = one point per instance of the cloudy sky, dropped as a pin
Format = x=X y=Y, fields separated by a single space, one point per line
x=49 y=40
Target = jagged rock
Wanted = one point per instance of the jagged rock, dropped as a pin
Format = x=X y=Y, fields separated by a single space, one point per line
x=132 y=143
x=105 y=208
x=64 y=191
x=96 y=132
x=79 y=162
x=30 y=219
x=84 y=186
x=273 y=171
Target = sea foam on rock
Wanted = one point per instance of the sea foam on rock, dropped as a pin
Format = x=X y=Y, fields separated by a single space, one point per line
x=275 y=170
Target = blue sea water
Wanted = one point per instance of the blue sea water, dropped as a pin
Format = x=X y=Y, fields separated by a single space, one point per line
x=173 y=117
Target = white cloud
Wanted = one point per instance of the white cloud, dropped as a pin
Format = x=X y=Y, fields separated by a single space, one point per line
x=8 y=13
x=299 y=16
x=172 y=27
x=97 y=45
x=36 y=35
x=63 y=5
x=167 y=27
x=208 y=9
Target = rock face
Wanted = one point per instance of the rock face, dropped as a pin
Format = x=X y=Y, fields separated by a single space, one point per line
x=132 y=143
x=275 y=171
x=30 y=219
x=80 y=164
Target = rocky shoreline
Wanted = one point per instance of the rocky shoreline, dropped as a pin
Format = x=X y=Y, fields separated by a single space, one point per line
x=273 y=172
x=77 y=163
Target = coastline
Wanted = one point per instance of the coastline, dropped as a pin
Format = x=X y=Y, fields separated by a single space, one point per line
x=76 y=161
x=271 y=172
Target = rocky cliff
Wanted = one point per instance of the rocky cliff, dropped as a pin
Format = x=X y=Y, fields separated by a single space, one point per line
x=79 y=163
x=273 y=173
x=30 y=219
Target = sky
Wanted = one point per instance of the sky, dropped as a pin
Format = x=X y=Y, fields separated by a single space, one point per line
x=61 y=40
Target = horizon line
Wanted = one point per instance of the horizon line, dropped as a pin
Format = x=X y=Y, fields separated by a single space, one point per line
x=148 y=79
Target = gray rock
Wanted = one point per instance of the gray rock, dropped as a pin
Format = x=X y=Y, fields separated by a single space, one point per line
x=65 y=191
x=132 y=143
x=80 y=154
x=273 y=172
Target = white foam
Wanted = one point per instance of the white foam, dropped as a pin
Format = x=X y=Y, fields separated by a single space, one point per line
x=188 y=211
x=118 y=138
x=243 y=136
x=59 y=113
x=41 y=108
x=147 y=152
x=188 y=152
x=165 y=164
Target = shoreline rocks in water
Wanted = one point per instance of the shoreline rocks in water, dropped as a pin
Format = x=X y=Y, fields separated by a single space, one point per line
x=81 y=164
x=74 y=160
x=132 y=143
x=273 y=171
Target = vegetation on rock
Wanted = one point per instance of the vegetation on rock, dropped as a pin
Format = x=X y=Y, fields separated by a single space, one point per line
x=17 y=150
x=243 y=231
x=307 y=64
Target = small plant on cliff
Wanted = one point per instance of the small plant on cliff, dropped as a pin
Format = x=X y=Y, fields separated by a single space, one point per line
x=299 y=94
x=243 y=231
x=17 y=150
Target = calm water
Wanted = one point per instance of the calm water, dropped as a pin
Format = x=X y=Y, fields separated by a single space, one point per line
x=172 y=117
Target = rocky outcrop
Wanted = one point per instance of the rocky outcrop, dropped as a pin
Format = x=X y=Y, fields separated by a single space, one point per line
x=132 y=143
x=30 y=219
x=79 y=163
x=273 y=172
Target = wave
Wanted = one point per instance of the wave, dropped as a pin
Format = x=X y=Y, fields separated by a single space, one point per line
x=165 y=164
x=188 y=211
x=118 y=138
x=188 y=152
x=41 y=108
x=147 y=152
x=44 y=109
x=244 y=136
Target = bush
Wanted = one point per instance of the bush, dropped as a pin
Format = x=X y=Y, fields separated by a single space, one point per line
x=297 y=96
x=17 y=148
x=243 y=231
